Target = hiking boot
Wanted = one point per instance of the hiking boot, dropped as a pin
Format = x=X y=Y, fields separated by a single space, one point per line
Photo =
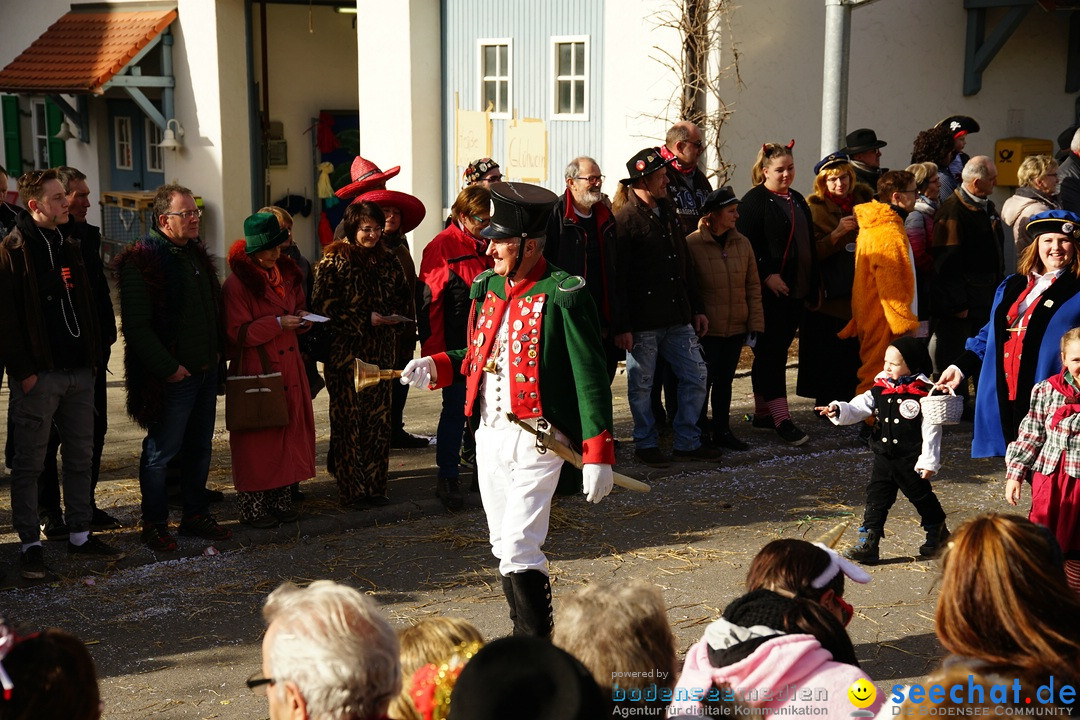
x=157 y=537
x=95 y=547
x=701 y=452
x=102 y=520
x=407 y=441
x=791 y=434
x=727 y=440
x=54 y=527
x=865 y=550
x=448 y=490
x=32 y=563
x=296 y=493
x=652 y=457
x=936 y=535
x=205 y=527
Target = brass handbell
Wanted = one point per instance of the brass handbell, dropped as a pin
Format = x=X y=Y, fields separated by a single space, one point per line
x=366 y=374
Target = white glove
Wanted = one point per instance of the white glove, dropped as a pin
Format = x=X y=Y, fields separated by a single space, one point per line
x=597 y=481
x=419 y=373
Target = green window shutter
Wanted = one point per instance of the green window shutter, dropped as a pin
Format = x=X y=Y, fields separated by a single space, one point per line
x=54 y=116
x=12 y=136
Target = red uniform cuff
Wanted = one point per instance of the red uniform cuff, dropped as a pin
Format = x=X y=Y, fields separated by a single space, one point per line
x=445 y=370
x=599 y=449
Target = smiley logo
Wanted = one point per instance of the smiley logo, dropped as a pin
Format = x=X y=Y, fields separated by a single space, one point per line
x=862 y=693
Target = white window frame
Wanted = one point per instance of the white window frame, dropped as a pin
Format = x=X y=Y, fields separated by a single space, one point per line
x=118 y=121
x=482 y=43
x=583 y=76
x=155 y=156
x=40 y=141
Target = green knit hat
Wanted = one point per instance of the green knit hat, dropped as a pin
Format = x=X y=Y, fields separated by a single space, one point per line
x=262 y=231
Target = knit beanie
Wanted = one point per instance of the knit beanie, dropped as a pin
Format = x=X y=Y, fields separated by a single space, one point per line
x=915 y=355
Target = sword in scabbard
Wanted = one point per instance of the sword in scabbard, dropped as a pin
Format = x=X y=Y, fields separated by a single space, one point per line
x=572 y=456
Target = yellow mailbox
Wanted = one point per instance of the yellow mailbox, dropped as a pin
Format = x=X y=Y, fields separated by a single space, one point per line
x=1010 y=152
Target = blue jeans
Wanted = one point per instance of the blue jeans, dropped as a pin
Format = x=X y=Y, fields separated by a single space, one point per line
x=451 y=426
x=185 y=428
x=64 y=398
x=679 y=346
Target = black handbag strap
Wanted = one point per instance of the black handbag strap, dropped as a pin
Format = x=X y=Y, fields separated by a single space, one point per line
x=264 y=358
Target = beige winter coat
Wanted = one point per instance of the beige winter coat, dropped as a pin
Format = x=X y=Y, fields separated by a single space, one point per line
x=727 y=281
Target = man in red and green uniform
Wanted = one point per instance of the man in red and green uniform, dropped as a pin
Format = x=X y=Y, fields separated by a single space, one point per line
x=533 y=350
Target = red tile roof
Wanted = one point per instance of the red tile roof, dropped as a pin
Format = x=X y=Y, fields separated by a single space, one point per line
x=82 y=51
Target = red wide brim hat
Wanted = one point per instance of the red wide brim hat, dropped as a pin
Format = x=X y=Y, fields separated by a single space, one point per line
x=412 y=210
x=366 y=176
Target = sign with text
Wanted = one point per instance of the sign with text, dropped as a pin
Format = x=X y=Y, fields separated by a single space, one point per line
x=526 y=150
x=473 y=137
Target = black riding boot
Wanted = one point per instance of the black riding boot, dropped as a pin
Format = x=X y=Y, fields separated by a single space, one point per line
x=532 y=603
x=508 y=592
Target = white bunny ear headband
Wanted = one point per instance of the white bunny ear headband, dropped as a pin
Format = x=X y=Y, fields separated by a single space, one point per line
x=838 y=563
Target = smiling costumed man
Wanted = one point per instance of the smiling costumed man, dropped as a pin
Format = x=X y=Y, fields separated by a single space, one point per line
x=534 y=350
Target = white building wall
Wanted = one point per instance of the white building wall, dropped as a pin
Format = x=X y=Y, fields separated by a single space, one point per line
x=400 y=92
x=210 y=65
x=906 y=73
x=309 y=71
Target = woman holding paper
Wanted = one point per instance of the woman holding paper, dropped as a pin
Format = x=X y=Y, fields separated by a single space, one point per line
x=264 y=309
x=360 y=286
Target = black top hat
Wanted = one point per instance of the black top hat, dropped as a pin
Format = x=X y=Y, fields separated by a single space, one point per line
x=861 y=140
x=525 y=678
x=521 y=210
x=644 y=163
x=832 y=159
x=721 y=197
x=959 y=125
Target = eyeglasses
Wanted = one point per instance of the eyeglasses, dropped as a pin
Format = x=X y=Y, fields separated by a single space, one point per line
x=187 y=215
x=908 y=192
x=259 y=684
x=592 y=179
x=696 y=143
x=481 y=221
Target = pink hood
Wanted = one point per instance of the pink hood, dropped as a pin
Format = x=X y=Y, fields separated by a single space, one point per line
x=793 y=668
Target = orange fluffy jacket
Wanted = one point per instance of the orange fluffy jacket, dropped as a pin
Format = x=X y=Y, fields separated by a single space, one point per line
x=884 y=288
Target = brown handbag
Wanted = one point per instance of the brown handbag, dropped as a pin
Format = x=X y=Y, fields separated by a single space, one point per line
x=254 y=402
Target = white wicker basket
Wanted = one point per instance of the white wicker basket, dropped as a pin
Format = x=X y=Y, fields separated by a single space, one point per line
x=942 y=409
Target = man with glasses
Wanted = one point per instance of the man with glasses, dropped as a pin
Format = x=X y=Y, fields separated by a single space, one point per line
x=581 y=241
x=170 y=308
x=327 y=653
x=687 y=185
x=52 y=351
x=89 y=237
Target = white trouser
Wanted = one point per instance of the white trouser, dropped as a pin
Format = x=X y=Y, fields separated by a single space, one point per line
x=516 y=484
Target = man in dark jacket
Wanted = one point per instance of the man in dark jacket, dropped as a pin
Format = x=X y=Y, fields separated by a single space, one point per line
x=52 y=350
x=687 y=185
x=661 y=313
x=89 y=237
x=170 y=307
x=581 y=241
x=864 y=149
x=1069 y=177
x=968 y=250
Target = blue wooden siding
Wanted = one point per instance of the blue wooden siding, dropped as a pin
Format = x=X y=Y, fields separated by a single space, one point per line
x=530 y=24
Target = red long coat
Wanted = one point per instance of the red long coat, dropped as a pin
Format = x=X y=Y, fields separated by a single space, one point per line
x=275 y=457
